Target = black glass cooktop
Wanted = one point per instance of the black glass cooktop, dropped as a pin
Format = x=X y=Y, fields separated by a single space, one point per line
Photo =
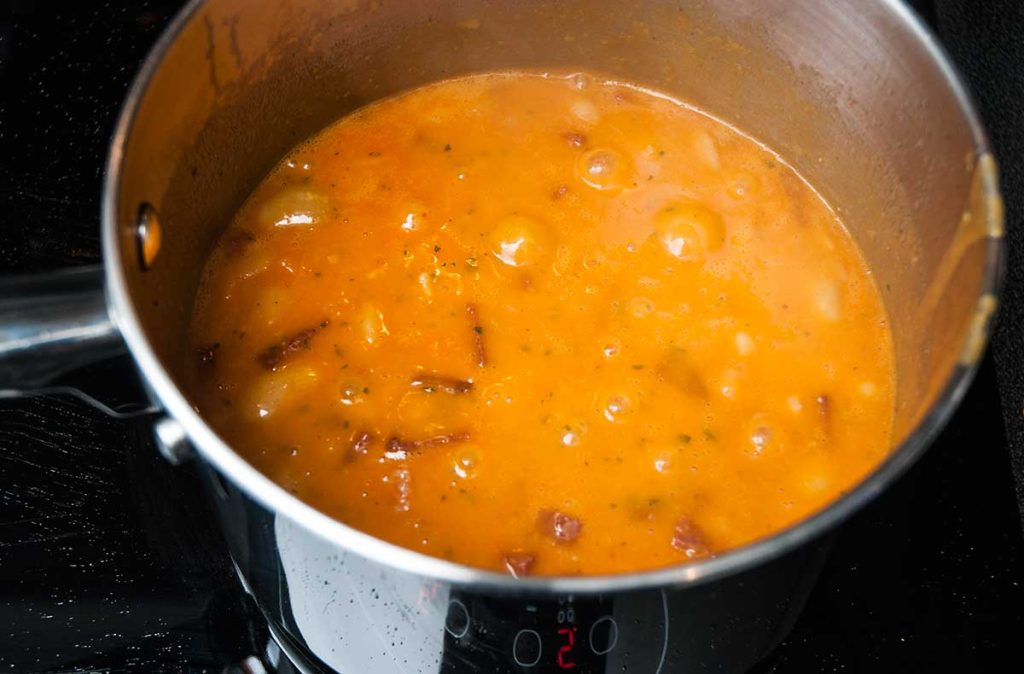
x=109 y=561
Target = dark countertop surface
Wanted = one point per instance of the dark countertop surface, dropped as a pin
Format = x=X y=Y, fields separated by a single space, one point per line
x=107 y=561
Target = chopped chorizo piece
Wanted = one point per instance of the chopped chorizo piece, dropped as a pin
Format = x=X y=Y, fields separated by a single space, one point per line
x=559 y=526
x=518 y=564
x=397 y=444
x=274 y=355
x=689 y=539
x=825 y=411
x=575 y=139
x=430 y=383
x=360 y=445
x=478 y=336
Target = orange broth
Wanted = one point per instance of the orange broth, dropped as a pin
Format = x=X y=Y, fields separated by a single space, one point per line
x=545 y=325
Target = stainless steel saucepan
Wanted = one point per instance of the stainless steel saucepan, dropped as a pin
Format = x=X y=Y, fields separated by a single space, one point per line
x=856 y=95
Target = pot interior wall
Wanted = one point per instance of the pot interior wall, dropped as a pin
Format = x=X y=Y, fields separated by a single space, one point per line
x=840 y=90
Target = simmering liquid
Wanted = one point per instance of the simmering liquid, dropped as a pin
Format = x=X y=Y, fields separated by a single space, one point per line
x=545 y=325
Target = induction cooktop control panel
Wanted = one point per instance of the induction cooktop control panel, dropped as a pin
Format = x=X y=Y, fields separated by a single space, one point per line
x=588 y=634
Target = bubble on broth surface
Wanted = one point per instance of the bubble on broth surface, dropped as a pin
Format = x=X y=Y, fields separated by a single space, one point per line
x=519 y=240
x=640 y=306
x=617 y=407
x=352 y=392
x=571 y=434
x=663 y=462
x=689 y=230
x=604 y=169
x=760 y=438
x=466 y=462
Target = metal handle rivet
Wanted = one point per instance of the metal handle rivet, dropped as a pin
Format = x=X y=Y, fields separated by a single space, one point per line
x=172 y=441
x=148 y=236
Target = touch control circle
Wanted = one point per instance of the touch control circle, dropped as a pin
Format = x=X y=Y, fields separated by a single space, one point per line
x=456 y=623
x=526 y=648
x=603 y=639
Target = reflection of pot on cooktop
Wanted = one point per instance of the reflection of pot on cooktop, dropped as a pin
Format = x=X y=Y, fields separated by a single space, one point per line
x=910 y=582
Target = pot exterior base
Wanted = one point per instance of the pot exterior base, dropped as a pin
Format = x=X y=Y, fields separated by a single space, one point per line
x=335 y=611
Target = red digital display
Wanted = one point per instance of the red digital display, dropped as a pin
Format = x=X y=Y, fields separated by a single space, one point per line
x=565 y=651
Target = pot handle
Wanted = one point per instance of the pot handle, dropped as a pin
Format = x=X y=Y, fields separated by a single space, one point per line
x=53 y=323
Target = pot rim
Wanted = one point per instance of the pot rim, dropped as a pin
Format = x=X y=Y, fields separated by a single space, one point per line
x=275 y=498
